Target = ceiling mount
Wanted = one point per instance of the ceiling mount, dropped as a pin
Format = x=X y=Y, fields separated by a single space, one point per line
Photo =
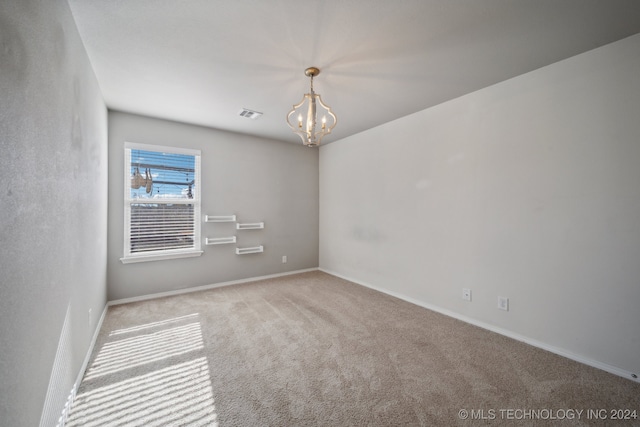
x=312 y=72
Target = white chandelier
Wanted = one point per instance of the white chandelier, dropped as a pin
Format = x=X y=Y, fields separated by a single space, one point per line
x=307 y=126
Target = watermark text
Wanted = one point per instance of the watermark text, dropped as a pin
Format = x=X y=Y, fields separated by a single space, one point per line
x=518 y=414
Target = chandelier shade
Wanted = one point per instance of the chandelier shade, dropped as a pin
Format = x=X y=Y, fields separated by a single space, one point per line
x=311 y=119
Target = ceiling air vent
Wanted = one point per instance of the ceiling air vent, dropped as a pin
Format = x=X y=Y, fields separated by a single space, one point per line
x=250 y=114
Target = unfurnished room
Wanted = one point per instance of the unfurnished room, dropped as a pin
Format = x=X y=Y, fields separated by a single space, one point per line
x=319 y=213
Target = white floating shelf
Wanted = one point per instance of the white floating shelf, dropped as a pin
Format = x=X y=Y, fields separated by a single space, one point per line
x=249 y=225
x=220 y=240
x=219 y=218
x=253 y=250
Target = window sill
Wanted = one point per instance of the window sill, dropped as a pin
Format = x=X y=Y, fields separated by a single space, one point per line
x=159 y=257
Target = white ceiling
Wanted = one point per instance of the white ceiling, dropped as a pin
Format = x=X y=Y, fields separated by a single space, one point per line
x=201 y=61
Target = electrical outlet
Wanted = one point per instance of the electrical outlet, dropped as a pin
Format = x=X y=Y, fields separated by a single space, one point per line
x=503 y=303
x=466 y=294
x=284 y=259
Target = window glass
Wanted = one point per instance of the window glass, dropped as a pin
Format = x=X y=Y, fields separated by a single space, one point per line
x=162 y=203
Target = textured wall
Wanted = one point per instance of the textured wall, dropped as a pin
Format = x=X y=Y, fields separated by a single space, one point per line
x=53 y=201
x=256 y=179
x=528 y=189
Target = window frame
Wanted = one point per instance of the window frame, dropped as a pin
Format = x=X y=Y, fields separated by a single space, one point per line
x=196 y=201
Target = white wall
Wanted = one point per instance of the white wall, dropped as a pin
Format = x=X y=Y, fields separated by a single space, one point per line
x=53 y=209
x=528 y=189
x=254 y=178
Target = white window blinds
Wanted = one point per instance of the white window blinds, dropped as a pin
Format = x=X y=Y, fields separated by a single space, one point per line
x=162 y=203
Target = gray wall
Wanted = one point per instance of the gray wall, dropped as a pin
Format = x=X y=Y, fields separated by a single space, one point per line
x=53 y=208
x=529 y=189
x=254 y=178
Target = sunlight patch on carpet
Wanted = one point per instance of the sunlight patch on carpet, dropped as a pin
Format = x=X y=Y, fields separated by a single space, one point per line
x=180 y=394
x=142 y=349
x=151 y=325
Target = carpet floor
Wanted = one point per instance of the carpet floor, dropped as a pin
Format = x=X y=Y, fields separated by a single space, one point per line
x=312 y=349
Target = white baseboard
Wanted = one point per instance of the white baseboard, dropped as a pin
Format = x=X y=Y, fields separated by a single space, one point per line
x=87 y=357
x=72 y=394
x=556 y=350
x=205 y=287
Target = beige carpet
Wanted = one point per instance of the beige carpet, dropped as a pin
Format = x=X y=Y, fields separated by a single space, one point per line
x=315 y=350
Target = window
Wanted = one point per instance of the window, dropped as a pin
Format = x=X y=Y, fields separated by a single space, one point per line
x=161 y=203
